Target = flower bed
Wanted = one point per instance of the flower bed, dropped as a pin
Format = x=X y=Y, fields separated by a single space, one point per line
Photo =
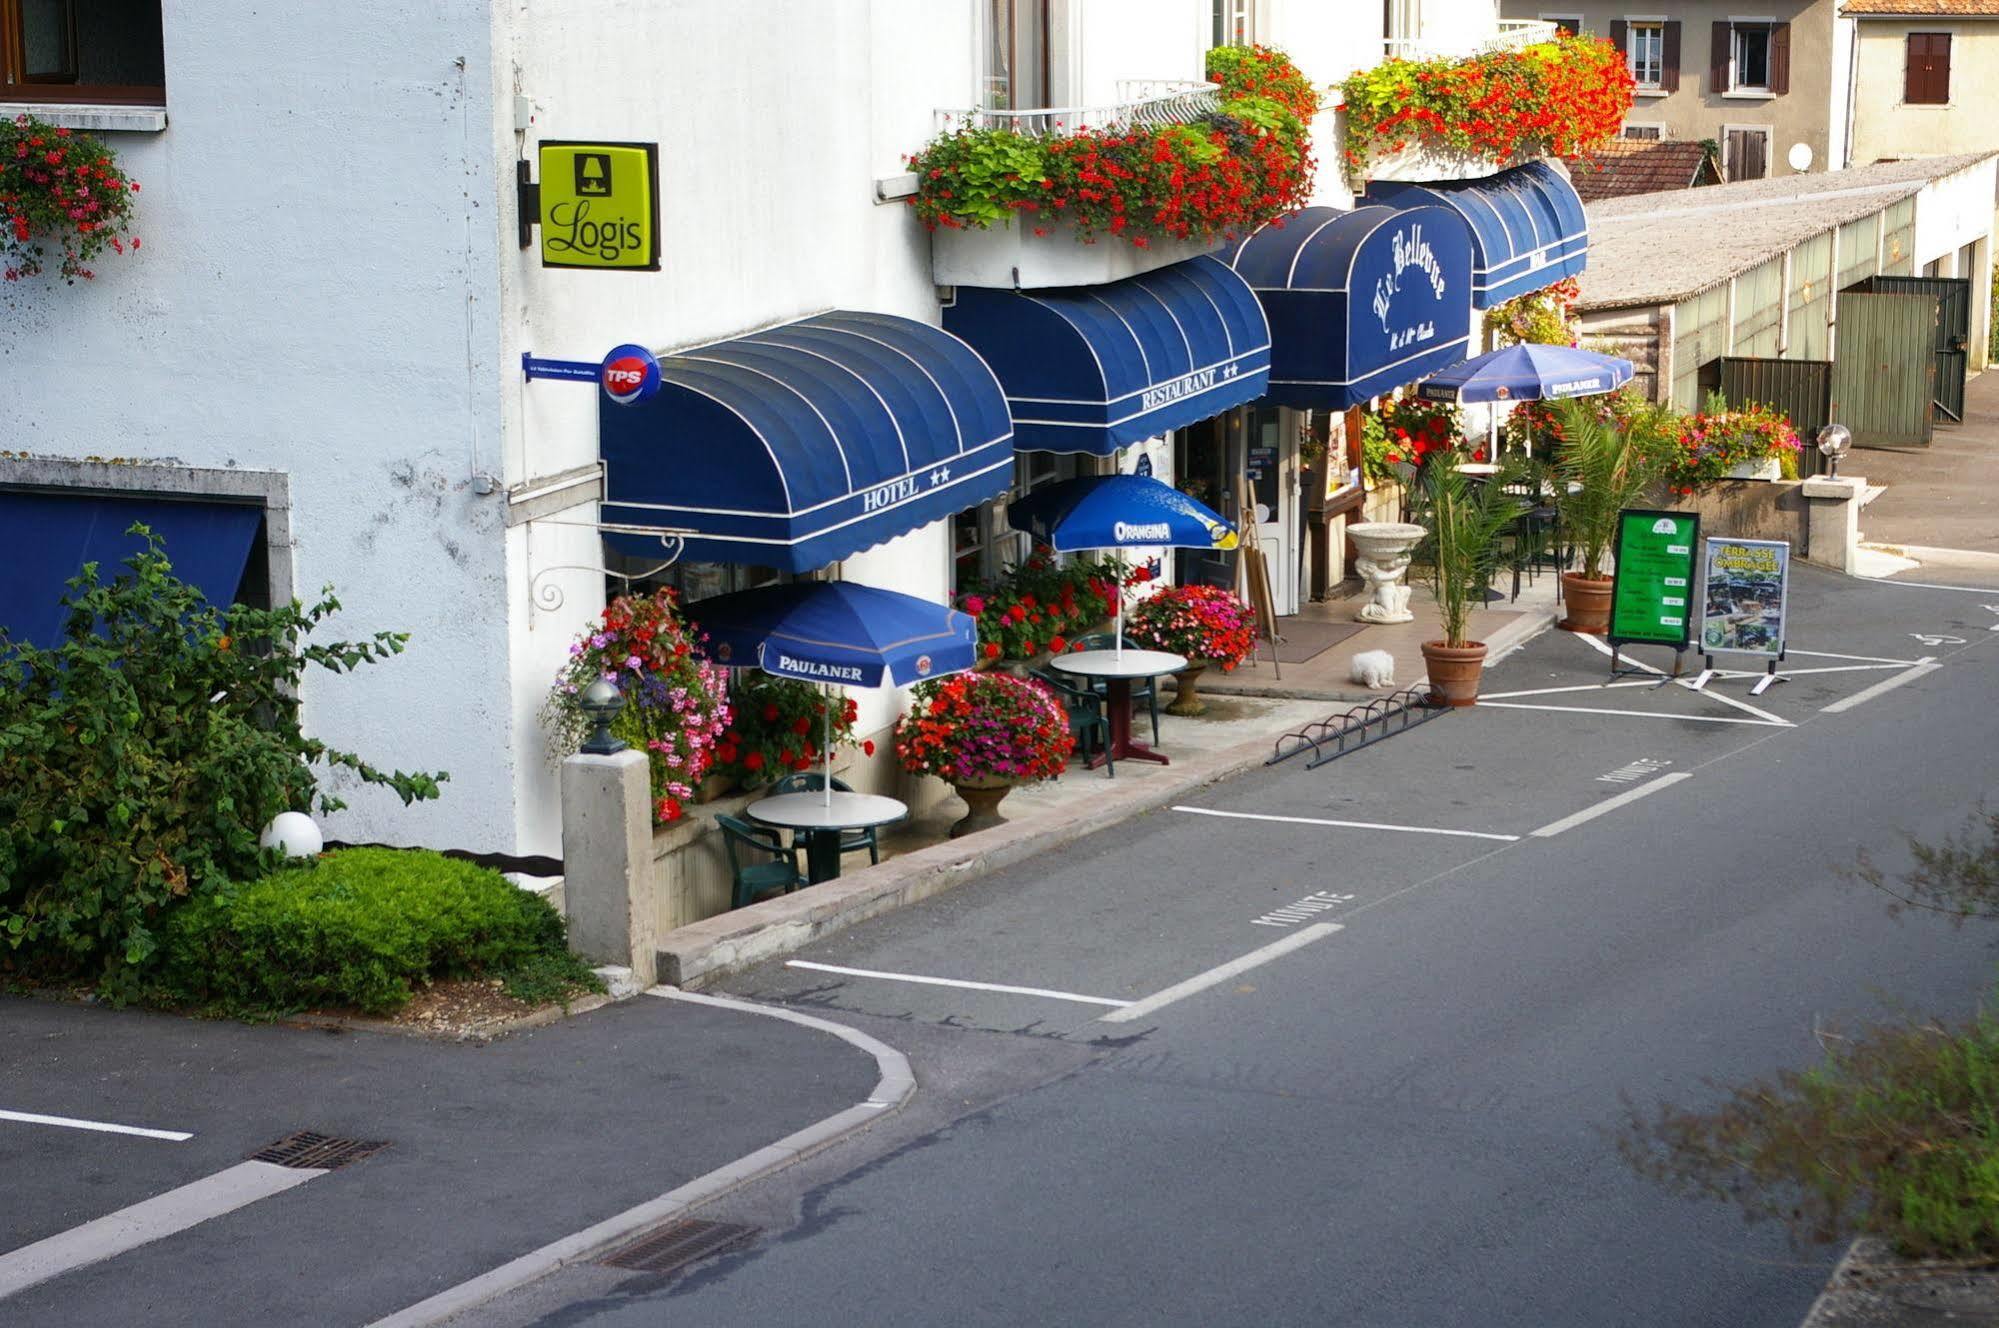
x=777 y=727
x=1220 y=175
x=1718 y=440
x=980 y=726
x=1559 y=98
x=676 y=708
x=60 y=190
x=1198 y=622
x=1040 y=605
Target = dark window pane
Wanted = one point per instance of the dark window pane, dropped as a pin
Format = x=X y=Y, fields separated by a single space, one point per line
x=1752 y=57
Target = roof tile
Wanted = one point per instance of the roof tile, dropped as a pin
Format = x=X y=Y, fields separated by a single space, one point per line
x=1635 y=166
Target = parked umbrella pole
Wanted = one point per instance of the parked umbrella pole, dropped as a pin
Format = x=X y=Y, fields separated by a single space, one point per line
x=826 y=755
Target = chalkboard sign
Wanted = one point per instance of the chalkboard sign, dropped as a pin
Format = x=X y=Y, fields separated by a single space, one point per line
x=1654 y=590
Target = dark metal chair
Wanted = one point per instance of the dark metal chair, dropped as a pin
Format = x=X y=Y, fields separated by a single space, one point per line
x=851 y=841
x=751 y=877
x=1085 y=709
x=1149 y=693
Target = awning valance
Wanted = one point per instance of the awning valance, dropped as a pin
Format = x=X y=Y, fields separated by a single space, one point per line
x=51 y=535
x=1529 y=230
x=1359 y=302
x=799 y=445
x=1096 y=368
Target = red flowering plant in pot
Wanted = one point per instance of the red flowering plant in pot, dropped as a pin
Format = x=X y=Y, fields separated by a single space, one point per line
x=778 y=727
x=59 y=191
x=1040 y=606
x=676 y=701
x=984 y=733
x=1724 y=442
x=1207 y=625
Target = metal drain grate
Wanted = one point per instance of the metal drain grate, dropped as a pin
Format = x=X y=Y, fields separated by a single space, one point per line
x=678 y=1244
x=308 y=1151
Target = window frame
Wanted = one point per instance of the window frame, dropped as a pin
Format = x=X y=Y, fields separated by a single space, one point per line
x=1239 y=15
x=1634 y=29
x=1652 y=131
x=1908 y=59
x=17 y=85
x=1738 y=29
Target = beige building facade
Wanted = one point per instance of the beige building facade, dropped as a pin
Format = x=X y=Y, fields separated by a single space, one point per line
x=1923 y=77
x=1764 y=80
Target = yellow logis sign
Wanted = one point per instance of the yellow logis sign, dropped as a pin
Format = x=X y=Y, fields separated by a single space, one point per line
x=600 y=205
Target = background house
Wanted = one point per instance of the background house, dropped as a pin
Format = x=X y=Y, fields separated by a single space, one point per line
x=1923 y=77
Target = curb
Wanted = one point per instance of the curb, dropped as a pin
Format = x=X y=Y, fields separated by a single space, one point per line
x=894 y=1088
x=702 y=952
x=1930 y=556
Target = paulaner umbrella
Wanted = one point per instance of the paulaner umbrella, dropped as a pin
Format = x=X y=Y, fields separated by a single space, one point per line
x=1528 y=372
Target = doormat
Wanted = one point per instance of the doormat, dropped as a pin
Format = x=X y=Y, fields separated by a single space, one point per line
x=1306 y=639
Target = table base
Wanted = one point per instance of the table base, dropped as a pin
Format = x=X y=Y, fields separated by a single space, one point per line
x=1122 y=747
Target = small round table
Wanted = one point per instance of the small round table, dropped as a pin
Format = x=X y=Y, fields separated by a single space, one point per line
x=822 y=816
x=1118 y=668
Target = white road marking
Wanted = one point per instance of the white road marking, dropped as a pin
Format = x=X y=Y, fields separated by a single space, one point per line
x=1750 y=709
x=1348 y=825
x=1885 y=685
x=101 y=1127
x=1575 y=819
x=146 y=1221
x=1583 y=687
x=1634 y=771
x=1603 y=648
x=1216 y=976
x=1302 y=910
x=1925 y=585
x=1636 y=714
x=953 y=982
x=1870 y=659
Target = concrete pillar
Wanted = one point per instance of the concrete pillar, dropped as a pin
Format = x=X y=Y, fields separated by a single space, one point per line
x=1832 y=515
x=607 y=886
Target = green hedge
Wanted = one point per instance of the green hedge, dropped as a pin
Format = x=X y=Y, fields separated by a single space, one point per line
x=363 y=927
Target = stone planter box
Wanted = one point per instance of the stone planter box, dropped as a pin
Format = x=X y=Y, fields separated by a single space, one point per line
x=1766 y=469
x=1013 y=257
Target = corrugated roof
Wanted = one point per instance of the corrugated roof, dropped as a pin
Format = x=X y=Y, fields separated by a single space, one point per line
x=1661 y=248
x=1922 y=8
x=1635 y=166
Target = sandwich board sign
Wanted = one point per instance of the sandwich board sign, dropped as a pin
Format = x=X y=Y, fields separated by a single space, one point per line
x=1652 y=590
x=1745 y=589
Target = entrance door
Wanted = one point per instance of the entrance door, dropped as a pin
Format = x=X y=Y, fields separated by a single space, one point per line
x=1270 y=468
x=1884 y=369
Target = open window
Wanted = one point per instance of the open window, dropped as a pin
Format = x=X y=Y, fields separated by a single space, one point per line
x=1651 y=47
x=99 y=51
x=1751 y=58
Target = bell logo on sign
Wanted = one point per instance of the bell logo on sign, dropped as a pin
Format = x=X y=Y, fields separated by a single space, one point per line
x=599 y=205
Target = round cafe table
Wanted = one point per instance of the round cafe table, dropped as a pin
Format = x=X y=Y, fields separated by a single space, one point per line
x=1118 y=668
x=821 y=816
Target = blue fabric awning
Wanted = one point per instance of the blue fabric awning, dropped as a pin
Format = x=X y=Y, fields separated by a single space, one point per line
x=805 y=443
x=1529 y=230
x=1096 y=368
x=47 y=537
x=1359 y=302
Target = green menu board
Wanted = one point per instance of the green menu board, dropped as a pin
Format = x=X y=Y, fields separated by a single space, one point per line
x=1651 y=596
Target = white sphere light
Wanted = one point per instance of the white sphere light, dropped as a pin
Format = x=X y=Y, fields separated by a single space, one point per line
x=292 y=834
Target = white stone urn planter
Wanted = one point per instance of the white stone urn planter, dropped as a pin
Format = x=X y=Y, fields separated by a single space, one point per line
x=1766 y=469
x=1382 y=550
x=1013 y=256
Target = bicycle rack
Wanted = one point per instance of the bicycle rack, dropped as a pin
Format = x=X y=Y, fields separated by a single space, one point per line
x=1334 y=736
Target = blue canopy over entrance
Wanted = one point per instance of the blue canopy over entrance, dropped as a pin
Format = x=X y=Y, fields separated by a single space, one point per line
x=1529 y=229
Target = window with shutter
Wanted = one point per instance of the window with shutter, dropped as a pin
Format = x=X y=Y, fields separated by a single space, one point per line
x=1926 y=80
x=1669 y=75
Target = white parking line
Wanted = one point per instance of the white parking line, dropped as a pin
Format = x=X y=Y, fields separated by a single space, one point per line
x=1636 y=714
x=1347 y=825
x=953 y=982
x=145 y=1222
x=1885 y=685
x=1575 y=819
x=1926 y=585
x=101 y=1127
x=1216 y=976
x=1870 y=659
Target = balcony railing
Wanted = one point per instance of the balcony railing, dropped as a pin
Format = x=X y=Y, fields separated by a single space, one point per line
x=1510 y=35
x=1153 y=101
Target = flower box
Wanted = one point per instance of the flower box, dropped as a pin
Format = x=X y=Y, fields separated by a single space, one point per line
x=1425 y=163
x=1766 y=469
x=1013 y=256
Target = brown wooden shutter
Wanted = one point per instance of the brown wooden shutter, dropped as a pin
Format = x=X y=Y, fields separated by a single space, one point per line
x=1669 y=64
x=1718 y=57
x=1915 y=59
x=1939 y=67
x=1618 y=28
x=1780 y=58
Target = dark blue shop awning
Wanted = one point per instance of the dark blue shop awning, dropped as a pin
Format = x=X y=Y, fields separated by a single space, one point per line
x=1359 y=302
x=799 y=445
x=47 y=537
x=1529 y=230
x=1096 y=368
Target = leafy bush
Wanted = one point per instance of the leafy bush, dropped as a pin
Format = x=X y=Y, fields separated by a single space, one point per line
x=141 y=758
x=1037 y=606
x=361 y=927
x=1712 y=443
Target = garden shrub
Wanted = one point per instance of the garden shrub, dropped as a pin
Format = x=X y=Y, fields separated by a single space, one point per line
x=362 y=927
x=143 y=755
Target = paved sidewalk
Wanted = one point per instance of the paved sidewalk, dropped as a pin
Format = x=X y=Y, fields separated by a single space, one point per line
x=495 y=1150
x=1945 y=496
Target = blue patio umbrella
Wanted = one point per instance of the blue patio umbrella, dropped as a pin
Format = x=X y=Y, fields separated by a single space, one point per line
x=1528 y=372
x=837 y=632
x=1118 y=512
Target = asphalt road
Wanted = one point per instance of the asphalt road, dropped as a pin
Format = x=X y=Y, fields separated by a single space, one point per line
x=1404 y=1117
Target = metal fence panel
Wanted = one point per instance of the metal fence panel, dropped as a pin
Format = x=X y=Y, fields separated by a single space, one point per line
x=1884 y=369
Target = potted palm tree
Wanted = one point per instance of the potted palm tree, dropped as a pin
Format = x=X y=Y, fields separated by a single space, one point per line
x=1603 y=466
x=1466 y=521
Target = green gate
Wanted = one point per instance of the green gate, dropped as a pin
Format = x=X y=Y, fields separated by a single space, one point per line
x=1884 y=369
x=1801 y=389
x=1953 y=330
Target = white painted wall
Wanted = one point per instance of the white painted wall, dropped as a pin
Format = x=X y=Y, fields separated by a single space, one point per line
x=1328 y=42
x=1955 y=211
x=1135 y=39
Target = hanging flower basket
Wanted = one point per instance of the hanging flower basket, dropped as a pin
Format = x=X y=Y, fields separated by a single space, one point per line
x=62 y=199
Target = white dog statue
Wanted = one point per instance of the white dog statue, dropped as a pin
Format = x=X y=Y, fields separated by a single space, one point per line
x=1374 y=668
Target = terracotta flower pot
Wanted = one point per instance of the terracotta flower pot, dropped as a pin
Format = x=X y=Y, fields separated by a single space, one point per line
x=1454 y=671
x=1589 y=604
x=982 y=797
x=1187 y=700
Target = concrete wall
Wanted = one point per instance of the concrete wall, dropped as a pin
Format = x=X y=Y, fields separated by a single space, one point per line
x=1885 y=126
x=1954 y=212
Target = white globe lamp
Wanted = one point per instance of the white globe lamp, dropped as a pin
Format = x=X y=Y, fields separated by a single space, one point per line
x=292 y=834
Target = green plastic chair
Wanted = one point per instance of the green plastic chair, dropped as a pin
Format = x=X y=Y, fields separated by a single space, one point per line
x=1148 y=693
x=851 y=841
x=1085 y=710
x=751 y=877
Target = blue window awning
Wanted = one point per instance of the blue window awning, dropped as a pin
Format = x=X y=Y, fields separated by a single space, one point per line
x=48 y=536
x=1096 y=368
x=1529 y=229
x=1359 y=302
x=799 y=445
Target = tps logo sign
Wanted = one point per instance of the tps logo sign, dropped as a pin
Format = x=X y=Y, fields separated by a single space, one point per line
x=598 y=204
x=629 y=373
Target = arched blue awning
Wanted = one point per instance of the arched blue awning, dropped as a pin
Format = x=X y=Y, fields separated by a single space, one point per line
x=1529 y=230
x=1359 y=302
x=1096 y=368
x=799 y=445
